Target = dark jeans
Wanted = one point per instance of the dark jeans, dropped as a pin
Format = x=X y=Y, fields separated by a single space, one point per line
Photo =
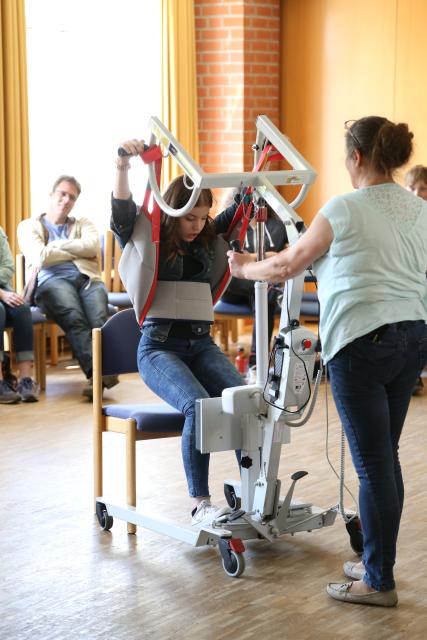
x=77 y=306
x=19 y=318
x=372 y=382
x=181 y=370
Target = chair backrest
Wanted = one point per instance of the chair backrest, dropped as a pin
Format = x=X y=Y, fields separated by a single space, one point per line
x=111 y=254
x=19 y=272
x=120 y=337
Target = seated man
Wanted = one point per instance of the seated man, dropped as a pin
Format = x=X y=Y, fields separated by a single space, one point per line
x=16 y=314
x=416 y=181
x=63 y=251
x=243 y=291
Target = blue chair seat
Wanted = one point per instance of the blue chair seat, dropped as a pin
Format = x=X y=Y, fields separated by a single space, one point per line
x=310 y=296
x=309 y=307
x=119 y=299
x=310 y=304
x=229 y=308
x=112 y=309
x=37 y=315
x=310 y=278
x=149 y=417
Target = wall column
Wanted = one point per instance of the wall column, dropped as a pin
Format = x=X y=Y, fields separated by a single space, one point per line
x=238 y=53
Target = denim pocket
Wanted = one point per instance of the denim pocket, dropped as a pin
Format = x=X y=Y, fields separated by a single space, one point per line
x=156 y=332
x=381 y=354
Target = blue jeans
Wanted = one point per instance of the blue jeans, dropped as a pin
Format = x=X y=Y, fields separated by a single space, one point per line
x=19 y=318
x=372 y=383
x=78 y=306
x=181 y=370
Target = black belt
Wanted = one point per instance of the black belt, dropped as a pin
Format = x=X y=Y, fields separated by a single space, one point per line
x=189 y=330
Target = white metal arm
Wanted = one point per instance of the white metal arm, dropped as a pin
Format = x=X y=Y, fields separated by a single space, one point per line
x=300 y=174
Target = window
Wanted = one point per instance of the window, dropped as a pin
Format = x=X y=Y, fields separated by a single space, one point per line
x=94 y=79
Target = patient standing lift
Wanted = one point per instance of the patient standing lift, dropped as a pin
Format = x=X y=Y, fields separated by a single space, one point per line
x=255 y=418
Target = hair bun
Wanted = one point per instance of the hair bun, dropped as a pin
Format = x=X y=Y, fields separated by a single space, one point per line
x=392 y=147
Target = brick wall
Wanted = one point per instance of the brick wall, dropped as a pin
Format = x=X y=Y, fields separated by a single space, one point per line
x=237 y=47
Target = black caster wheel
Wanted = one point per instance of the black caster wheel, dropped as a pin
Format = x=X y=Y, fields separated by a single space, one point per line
x=354 y=529
x=105 y=521
x=230 y=495
x=234 y=565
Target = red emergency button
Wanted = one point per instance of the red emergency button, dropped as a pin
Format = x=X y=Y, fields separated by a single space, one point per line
x=306 y=344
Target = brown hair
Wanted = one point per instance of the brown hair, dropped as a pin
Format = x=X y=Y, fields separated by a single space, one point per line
x=418 y=173
x=71 y=180
x=177 y=195
x=386 y=145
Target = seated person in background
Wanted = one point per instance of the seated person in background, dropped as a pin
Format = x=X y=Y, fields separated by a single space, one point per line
x=16 y=314
x=416 y=181
x=243 y=291
x=63 y=251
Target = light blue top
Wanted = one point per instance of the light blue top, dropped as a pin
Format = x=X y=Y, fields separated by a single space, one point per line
x=63 y=269
x=374 y=272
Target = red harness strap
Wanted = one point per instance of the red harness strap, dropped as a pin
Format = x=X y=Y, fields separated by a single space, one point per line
x=152 y=154
x=268 y=154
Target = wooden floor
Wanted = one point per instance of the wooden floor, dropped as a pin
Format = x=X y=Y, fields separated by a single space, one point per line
x=63 y=578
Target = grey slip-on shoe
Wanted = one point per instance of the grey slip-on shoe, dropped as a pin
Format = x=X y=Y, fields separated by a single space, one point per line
x=341 y=591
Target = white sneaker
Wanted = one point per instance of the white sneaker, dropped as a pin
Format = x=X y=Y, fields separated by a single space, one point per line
x=251 y=375
x=204 y=513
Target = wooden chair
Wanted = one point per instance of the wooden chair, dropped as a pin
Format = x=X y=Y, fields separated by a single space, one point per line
x=228 y=319
x=111 y=252
x=114 y=352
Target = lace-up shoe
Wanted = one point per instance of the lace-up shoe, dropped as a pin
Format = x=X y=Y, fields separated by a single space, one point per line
x=28 y=390
x=203 y=514
x=7 y=394
x=107 y=383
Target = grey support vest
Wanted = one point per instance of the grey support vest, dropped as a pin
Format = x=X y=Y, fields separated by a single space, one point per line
x=177 y=300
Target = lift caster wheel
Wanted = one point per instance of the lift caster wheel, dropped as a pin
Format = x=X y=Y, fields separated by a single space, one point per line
x=105 y=521
x=234 y=565
x=354 y=529
x=230 y=495
x=233 y=561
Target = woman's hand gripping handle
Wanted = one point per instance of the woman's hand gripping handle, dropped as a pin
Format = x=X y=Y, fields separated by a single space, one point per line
x=125 y=151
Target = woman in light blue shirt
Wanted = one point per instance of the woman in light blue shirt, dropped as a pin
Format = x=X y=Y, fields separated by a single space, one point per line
x=369 y=248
